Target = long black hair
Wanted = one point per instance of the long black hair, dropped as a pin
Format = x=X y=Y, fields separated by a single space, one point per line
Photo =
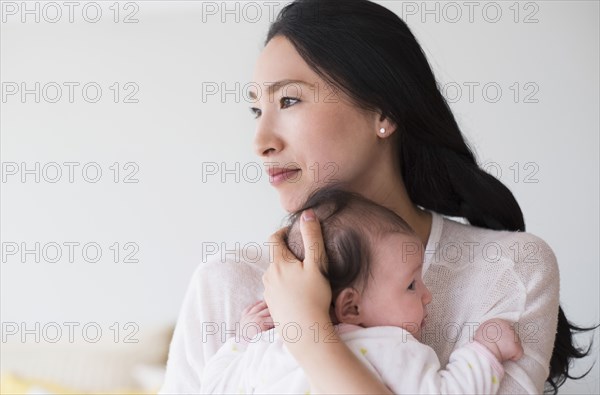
x=370 y=54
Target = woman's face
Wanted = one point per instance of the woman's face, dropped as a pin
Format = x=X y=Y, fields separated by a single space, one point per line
x=308 y=129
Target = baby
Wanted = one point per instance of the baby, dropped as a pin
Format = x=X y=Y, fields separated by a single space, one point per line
x=378 y=306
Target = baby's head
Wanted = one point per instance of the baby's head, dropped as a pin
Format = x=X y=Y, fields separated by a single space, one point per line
x=374 y=260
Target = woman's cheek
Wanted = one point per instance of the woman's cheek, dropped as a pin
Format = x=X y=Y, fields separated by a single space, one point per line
x=328 y=170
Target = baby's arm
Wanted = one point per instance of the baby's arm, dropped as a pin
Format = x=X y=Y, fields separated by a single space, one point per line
x=500 y=338
x=227 y=370
x=477 y=367
x=408 y=366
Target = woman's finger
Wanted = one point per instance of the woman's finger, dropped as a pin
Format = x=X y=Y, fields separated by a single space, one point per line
x=280 y=233
x=281 y=254
x=314 y=247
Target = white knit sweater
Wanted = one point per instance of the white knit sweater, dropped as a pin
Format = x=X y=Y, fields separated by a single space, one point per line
x=474 y=274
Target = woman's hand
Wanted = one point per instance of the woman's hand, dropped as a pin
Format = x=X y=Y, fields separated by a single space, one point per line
x=296 y=292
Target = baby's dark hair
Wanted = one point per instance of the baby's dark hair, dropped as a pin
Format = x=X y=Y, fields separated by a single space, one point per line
x=350 y=225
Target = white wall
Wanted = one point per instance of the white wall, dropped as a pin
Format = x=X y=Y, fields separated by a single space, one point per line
x=172 y=131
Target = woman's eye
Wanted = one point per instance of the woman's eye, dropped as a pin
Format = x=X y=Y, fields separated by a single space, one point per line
x=286 y=100
x=255 y=111
x=412 y=285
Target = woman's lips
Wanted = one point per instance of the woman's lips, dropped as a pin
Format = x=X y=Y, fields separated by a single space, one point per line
x=286 y=175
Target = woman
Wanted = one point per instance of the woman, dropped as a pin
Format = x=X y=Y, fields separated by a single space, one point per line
x=356 y=101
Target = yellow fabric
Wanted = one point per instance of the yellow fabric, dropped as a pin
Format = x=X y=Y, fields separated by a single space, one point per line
x=14 y=385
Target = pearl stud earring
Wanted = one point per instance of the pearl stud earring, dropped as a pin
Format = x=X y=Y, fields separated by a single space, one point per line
x=382 y=130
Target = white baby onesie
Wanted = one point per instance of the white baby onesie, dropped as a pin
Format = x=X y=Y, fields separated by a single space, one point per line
x=406 y=366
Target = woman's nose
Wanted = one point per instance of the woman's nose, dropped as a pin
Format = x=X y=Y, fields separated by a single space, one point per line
x=266 y=141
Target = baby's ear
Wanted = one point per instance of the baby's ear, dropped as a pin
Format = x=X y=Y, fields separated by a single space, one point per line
x=347 y=307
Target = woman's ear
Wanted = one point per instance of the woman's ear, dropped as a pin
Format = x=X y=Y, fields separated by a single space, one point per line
x=347 y=307
x=385 y=127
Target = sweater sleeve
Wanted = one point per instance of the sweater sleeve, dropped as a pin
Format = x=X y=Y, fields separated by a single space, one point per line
x=224 y=372
x=217 y=293
x=537 y=268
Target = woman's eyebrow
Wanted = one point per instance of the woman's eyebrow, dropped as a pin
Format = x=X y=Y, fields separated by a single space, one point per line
x=275 y=86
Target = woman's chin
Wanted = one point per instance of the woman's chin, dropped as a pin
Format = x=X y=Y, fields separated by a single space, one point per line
x=291 y=202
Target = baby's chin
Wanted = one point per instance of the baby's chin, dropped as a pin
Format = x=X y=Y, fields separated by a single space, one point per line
x=415 y=332
x=417 y=335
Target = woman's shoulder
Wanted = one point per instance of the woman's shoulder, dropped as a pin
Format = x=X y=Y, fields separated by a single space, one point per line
x=219 y=258
x=458 y=232
x=528 y=253
x=222 y=273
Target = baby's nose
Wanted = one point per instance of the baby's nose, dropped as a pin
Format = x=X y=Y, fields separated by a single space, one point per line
x=426 y=296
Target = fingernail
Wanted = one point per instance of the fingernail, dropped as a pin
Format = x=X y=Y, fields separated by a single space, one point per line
x=308 y=215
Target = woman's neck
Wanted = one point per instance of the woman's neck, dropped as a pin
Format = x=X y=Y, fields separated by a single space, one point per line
x=418 y=219
x=397 y=200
